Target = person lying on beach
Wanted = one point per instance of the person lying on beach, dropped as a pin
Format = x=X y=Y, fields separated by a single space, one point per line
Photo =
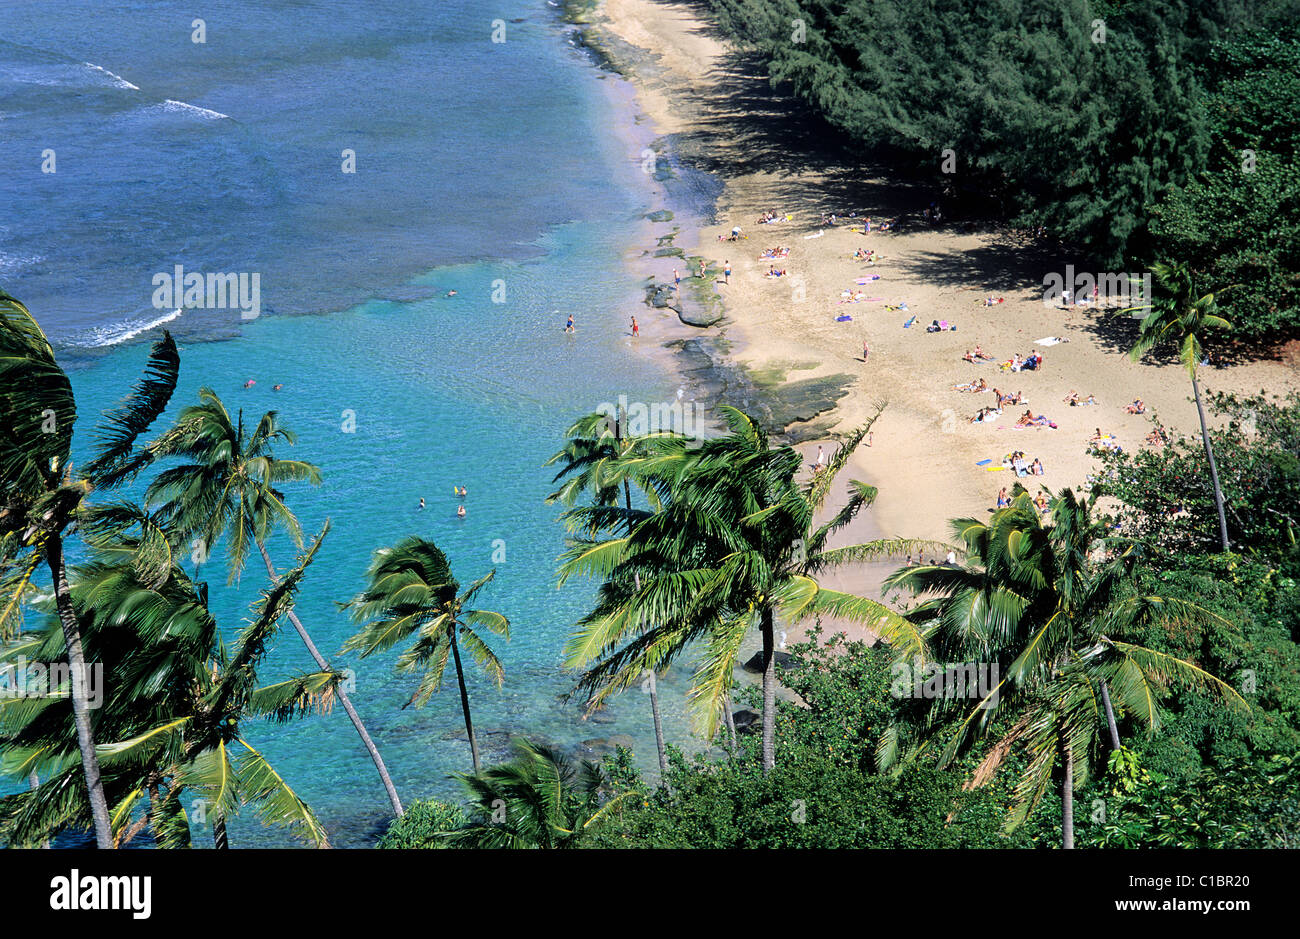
x=862 y=255
x=969 y=357
x=981 y=354
x=902 y=306
x=990 y=301
x=972 y=386
x=1036 y=467
x=1096 y=436
x=1137 y=407
x=1026 y=419
x=1072 y=398
x=771 y=253
x=773 y=272
x=984 y=414
x=1158 y=437
x=1013 y=398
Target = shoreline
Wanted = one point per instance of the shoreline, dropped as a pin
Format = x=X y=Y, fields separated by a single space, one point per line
x=778 y=341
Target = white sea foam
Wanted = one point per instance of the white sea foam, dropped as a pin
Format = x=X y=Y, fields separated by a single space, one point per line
x=170 y=105
x=13 y=263
x=120 y=332
x=117 y=80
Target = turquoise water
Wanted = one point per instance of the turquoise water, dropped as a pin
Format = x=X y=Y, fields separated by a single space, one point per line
x=494 y=168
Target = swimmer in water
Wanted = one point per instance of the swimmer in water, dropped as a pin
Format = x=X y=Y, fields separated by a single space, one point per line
x=276 y=387
x=421 y=501
x=250 y=383
x=451 y=293
x=460 y=511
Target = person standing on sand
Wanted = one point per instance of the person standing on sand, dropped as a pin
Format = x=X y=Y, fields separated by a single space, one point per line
x=726 y=272
x=866 y=350
x=821 y=457
x=677 y=280
x=636 y=330
x=701 y=268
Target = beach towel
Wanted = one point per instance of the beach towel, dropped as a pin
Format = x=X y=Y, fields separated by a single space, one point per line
x=843 y=318
x=983 y=462
x=814 y=235
x=1048 y=341
x=909 y=323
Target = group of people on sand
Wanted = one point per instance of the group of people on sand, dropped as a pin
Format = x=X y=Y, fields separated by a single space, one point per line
x=1074 y=401
x=1040 y=501
x=1033 y=363
x=976 y=356
x=768 y=218
x=1015 y=460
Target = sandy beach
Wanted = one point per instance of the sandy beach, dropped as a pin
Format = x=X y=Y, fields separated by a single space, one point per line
x=925 y=454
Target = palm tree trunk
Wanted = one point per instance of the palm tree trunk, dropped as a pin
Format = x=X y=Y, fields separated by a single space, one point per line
x=731 y=720
x=342 y=695
x=1110 y=717
x=653 y=688
x=464 y=700
x=1067 y=797
x=34 y=782
x=769 y=693
x=1214 y=469
x=219 y=837
x=80 y=702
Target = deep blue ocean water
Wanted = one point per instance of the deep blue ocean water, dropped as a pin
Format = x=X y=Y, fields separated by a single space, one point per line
x=480 y=167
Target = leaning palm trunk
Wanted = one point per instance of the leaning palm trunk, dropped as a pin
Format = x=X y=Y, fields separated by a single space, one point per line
x=653 y=688
x=1214 y=469
x=1110 y=716
x=731 y=720
x=769 y=693
x=219 y=838
x=652 y=685
x=342 y=695
x=80 y=702
x=464 y=701
x=1067 y=797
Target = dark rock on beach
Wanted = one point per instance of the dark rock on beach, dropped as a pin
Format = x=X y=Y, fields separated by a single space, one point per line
x=783 y=660
x=747 y=721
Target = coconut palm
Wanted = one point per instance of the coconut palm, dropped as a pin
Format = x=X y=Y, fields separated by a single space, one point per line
x=41 y=498
x=411 y=592
x=228 y=488
x=599 y=454
x=736 y=546
x=1049 y=605
x=1177 y=314
x=174 y=714
x=537 y=800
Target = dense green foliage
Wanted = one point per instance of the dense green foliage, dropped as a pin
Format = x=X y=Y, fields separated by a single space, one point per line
x=1117 y=126
x=425 y=825
x=1166 y=495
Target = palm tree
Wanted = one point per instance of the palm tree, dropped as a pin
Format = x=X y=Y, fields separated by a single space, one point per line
x=597 y=455
x=40 y=498
x=736 y=546
x=1049 y=605
x=229 y=488
x=177 y=702
x=1176 y=314
x=537 y=800
x=411 y=591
